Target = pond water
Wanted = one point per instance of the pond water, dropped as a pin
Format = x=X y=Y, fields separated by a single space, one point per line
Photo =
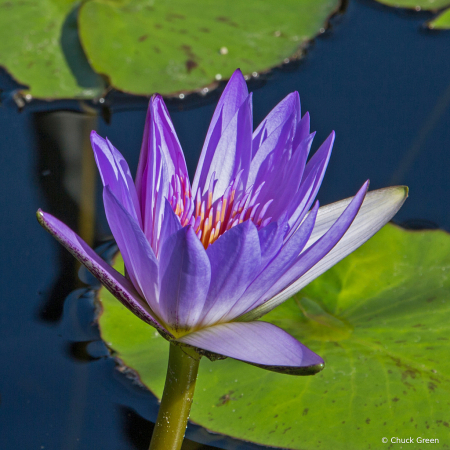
x=377 y=77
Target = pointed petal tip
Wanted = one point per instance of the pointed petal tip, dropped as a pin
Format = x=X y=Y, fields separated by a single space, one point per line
x=237 y=78
x=94 y=136
x=237 y=73
x=40 y=216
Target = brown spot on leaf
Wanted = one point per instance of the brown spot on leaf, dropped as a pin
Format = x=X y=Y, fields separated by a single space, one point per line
x=305 y=411
x=171 y=16
x=395 y=399
x=204 y=29
x=227 y=20
x=225 y=399
x=409 y=373
x=143 y=38
x=190 y=64
x=367 y=421
x=418 y=325
x=432 y=386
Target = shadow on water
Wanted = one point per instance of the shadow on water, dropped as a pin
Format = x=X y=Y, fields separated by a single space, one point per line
x=75 y=56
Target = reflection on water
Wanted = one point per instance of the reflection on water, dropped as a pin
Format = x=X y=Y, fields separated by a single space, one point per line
x=67 y=175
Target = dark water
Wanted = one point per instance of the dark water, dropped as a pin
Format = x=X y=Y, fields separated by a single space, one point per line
x=377 y=77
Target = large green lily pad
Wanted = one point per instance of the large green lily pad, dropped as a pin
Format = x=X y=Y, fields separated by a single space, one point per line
x=39 y=46
x=417 y=4
x=380 y=319
x=145 y=46
x=59 y=47
x=441 y=22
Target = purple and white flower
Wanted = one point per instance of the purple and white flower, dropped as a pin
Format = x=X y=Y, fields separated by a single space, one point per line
x=204 y=261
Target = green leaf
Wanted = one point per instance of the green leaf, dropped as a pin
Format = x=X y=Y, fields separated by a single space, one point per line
x=181 y=45
x=379 y=318
x=40 y=48
x=441 y=22
x=416 y=4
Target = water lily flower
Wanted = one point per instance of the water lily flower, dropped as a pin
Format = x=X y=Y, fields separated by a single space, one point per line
x=205 y=260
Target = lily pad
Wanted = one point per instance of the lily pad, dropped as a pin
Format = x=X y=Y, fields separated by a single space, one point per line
x=181 y=45
x=441 y=22
x=417 y=4
x=379 y=318
x=39 y=46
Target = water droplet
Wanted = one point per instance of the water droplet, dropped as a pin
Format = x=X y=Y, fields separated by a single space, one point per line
x=223 y=51
x=101 y=100
x=286 y=60
x=218 y=76
x=322 y=30
x=255 y=74
x=181 y=96
x=277 y=33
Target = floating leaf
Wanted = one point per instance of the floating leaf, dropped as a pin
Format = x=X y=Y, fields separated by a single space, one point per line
x=39 y=46
x=145 y=46
x=441 y=22
x=380 y=319
x=416 y=4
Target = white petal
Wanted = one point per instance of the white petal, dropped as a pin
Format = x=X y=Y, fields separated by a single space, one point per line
x=378 y=208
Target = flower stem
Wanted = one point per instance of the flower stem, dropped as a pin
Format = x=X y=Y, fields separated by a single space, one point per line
x=177 y=398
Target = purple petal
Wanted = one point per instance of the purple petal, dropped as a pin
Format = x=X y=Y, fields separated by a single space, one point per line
x=321 y=158
x=170 y=225
x=280 y=264
x=161 y=158
x=271 y=239
x=316 y=165
x=159 y=133
x=282 y=179
x=235 y=261
x=309 y=258
x=302 y=131
x=233 y=151
x=377 y=209
x=233 y=96
x=258 y=343
x=290 y=105
x=116 y=283
x=115 y=173
x=140 y=261
x=185 y=274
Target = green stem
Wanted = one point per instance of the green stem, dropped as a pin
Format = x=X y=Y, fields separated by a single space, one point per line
x=177 y=398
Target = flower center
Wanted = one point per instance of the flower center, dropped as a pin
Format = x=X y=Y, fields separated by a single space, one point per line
x=210 y=220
